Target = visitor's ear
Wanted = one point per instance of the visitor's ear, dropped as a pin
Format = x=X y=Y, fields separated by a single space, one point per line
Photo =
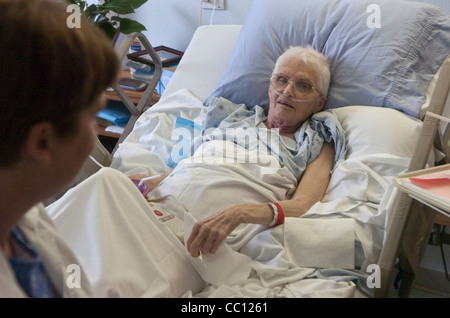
x=40 y=142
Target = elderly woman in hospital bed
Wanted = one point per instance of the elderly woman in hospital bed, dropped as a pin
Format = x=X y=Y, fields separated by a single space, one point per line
x=120 y=234
x=297 y=90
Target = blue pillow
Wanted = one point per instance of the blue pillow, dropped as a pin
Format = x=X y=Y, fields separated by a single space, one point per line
x=386 y=66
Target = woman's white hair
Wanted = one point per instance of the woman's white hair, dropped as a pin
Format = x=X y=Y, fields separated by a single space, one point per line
x=317 y=60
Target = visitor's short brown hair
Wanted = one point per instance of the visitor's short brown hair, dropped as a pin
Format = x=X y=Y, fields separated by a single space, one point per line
x=49 y=72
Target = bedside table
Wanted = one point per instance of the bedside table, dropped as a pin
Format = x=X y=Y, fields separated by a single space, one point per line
x=432 y=188
x=112 y=96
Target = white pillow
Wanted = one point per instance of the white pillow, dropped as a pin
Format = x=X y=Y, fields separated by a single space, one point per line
x=377 y=130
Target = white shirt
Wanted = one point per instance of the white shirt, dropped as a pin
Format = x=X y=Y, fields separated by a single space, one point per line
x=59 y=261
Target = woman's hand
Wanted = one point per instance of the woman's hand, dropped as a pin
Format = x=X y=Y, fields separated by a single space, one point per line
x=209 y=233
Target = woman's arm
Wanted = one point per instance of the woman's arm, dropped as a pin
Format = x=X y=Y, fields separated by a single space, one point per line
x=313 y=184
x=209 y=233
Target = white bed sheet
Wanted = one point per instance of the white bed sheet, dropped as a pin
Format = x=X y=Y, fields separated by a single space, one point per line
x=119 y=241
x=127 y=252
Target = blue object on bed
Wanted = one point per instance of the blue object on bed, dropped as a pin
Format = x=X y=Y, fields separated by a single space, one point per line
x=184 y=147
x=387 y=66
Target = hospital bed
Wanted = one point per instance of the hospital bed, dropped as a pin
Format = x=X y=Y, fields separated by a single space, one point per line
x=388 y=70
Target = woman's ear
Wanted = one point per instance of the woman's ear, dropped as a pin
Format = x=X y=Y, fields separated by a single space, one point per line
x=40 y=142
x=320 y=104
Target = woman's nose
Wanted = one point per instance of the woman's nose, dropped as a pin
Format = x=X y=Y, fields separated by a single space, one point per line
x=289 y=89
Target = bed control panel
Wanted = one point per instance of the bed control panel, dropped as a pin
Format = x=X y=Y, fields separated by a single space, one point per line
x=173 y=223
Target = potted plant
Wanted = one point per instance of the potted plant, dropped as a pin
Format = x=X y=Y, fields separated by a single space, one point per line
x=106 y=15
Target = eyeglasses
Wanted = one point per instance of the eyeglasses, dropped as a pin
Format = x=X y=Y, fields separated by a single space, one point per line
x=302 y=88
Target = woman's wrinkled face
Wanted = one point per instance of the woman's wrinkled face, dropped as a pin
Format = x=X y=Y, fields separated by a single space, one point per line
x=288 y=108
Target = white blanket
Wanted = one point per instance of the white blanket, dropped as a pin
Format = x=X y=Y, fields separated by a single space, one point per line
x=119 y=241
x=127 y=252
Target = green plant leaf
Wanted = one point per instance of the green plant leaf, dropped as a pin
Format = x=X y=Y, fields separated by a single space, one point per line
x=124 y=6
x=107 y=27
x=92 y=12
x=128 y=26
x=80 y=3
x=137 y=3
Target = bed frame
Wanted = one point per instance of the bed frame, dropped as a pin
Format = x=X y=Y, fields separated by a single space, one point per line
x=101 y=156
